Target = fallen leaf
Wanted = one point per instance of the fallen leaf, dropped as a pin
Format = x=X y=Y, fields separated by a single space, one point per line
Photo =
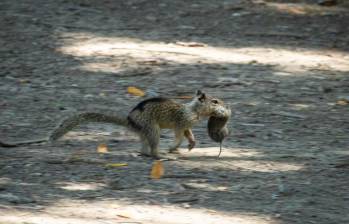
x=342 y=102
x=102 y=148
x=124 y=215
x=116 y=164
x=157 y=170
x=135 y=91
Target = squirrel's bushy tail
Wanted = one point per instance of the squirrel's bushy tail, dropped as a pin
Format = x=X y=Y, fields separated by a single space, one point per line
x=72 y=122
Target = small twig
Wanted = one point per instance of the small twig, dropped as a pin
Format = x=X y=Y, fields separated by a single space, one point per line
x=184 y=200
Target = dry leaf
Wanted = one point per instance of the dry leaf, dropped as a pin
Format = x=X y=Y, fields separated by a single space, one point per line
x=157 y=170
x=342 y=102
x=135 y=91
x=116 y=164
x=102 y=148
x=124 y=215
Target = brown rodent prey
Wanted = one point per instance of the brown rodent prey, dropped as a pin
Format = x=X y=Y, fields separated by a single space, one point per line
x=217 y=128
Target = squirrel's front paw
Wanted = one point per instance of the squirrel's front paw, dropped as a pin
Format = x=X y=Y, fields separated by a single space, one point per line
x=191 y=145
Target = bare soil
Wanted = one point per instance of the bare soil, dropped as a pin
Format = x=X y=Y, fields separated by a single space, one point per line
x=281 y=65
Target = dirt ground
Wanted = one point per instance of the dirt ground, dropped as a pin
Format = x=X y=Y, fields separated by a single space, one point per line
x=281 y=65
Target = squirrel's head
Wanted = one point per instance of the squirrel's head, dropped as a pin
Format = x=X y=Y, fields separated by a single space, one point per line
x=208 y=106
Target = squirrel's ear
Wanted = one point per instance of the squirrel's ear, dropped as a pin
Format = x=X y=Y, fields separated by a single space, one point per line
x=198 y=93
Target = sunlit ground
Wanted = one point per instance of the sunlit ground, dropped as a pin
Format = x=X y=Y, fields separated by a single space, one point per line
x=108 y=51
x=302 y=8
x=243 y=159
x=80 y=186
x=113 y=211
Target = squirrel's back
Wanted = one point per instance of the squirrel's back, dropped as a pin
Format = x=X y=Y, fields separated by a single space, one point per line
x=164 y=112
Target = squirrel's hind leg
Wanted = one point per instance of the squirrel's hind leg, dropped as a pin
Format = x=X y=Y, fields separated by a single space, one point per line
x=151 y=138
x=145 y=150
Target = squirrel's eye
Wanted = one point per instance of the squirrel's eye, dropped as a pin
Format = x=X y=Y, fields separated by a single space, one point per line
x=214 y=101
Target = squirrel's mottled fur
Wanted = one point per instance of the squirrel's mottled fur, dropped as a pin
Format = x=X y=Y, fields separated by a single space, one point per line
x=149 y=117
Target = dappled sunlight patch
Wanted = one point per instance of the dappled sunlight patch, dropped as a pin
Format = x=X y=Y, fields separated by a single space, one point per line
x=76 y=186
x=282 y=74
x=344 y=152
x=299 y=61
x=248 y=165
x=5 y=181
x=238 y=159
x=302 y=8
x=181 y=215
x=106 y=67
x=114 y=211
x=301 y=106
x=213 y=152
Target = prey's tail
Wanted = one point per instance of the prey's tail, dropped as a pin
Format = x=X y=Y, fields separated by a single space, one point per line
x=72 y=122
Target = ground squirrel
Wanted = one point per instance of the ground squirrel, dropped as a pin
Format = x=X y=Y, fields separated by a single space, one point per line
x=147 y=119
